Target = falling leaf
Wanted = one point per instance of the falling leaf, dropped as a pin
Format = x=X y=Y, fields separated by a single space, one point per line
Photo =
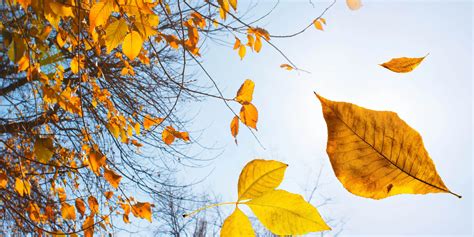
x=242 y=51
x=22 y=187
x=43 y=149
x=318 y=25
x=93 y=204
x=142 y=210
x=237 y=224
x=354 y=4
x=249 y=115
x=115 y=34
x=287 y=67
x=112 y=177
x=375 y=154
x=234 y=127
x=132 y=45
x=260 y=176
x=245 y=92
x=80 y=206
x=285 y=213
x=402 y=65
x=68 y=212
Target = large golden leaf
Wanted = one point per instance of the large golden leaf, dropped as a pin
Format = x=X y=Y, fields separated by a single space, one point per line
x=375 y=154
x=237 y=224
x=285 y=213
x=260 y=176
x=115 y=34
x=132 y=44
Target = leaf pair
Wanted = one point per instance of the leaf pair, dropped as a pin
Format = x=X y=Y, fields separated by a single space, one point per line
x=282 y=212
x=375 y=154
x=248 y=112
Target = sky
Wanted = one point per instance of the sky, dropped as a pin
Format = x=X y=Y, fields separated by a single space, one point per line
x=435 y=99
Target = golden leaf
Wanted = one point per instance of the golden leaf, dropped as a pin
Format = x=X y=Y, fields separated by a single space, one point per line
x=115 y=33
x=33 y=212
x=258 y=177
x=402 y=65
x=142 y=210
x=375 y=154
x=43 y=149
x=148 y=122
x=132 y=45
x=353 y=4
x=242 y=51
x=96 y=160
x=80 y=206
x=258 y=44
x=3 y=180
x=167 y=136
x=286 y=66
x=237 y=224
x=249 y=115
x=112 y=177
x=22 y=187
x=68 y=212
x=234 y=127
x=237 y=43
x=108 y=194
x=245 y=92
x=99 y=13
x=318 y=25
x=93 y=204
x=285 y=213
x=233 y=4
x=88 y=226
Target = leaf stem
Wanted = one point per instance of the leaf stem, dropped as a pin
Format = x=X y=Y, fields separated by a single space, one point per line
x=209 y=206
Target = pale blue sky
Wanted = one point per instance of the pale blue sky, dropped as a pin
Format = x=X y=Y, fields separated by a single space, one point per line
x=435 y=99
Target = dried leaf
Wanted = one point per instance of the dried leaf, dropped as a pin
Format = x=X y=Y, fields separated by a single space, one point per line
x=80 y=206
x=112 y=177
x=93 y=204
x=43 y=149
x=375 y=154
x=249 y=115
x=402 y=65
x=142 y=210
x=68 y=212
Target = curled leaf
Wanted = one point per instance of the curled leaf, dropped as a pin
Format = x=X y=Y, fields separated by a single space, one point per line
x=375 y=154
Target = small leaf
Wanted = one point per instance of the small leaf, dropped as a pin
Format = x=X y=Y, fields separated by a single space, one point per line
x=3 y=180
x=245 y=92
x=233 y=4
x=80 y=206
x=149 y=122
x=402 y=65
x=96 y=161
x=93 y=204
x=354 y=4
x=43 y=149
x=68 y=212
x=22 y=187
x=142 y=210
x=242 y=51
x=236 y=225
x=318 y=25
x=375 y=154
x=285 y=213
x=132 y=45
x=249 y=115
x=112 y=177
x=234 y=127
x=287 y=67
x=260 y=176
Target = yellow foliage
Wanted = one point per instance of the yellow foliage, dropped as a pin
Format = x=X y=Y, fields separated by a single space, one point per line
x=249 y=115
x=80 y=206
x=234 y=127
x=402 y=65
x=99 y=13
x=93 y=204
x=112 y=177
x=68 y=212
x=3 y=180
x=142 y=210
x=88 y=226
x=236 y=225
x=115 y=34
x=22 y=186
x=96 y=161
x=375 y=154
x=132 y=44
x=245 y=92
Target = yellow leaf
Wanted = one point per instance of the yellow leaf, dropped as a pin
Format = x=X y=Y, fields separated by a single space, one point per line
x=402 y=65
x=142 y=210
x=112 y=177
x=237 y=43
x=3 y=180
x=33 y=212
x=93 y=204
x=285 y=213
x=61 y=9
x=68 y=212
x=258 y=44
x=22 y=187
x=260 y=176
x=132 y=45
x=167 y=136
x=115 y=34
x=43 y=149
x=249 y=115
x=236 y=225
x=99 y=13
x=354 y=4
x=233 y=4
x=286 y=66
x=375 y=154
x=88 y=226
x=318 y=25
x=148 y=122
x=80 y=206
x=96 y=161
x=234 y=127
x=245 y=92
x=242 y=51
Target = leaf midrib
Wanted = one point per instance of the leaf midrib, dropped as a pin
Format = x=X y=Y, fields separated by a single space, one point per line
x=259 y=178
